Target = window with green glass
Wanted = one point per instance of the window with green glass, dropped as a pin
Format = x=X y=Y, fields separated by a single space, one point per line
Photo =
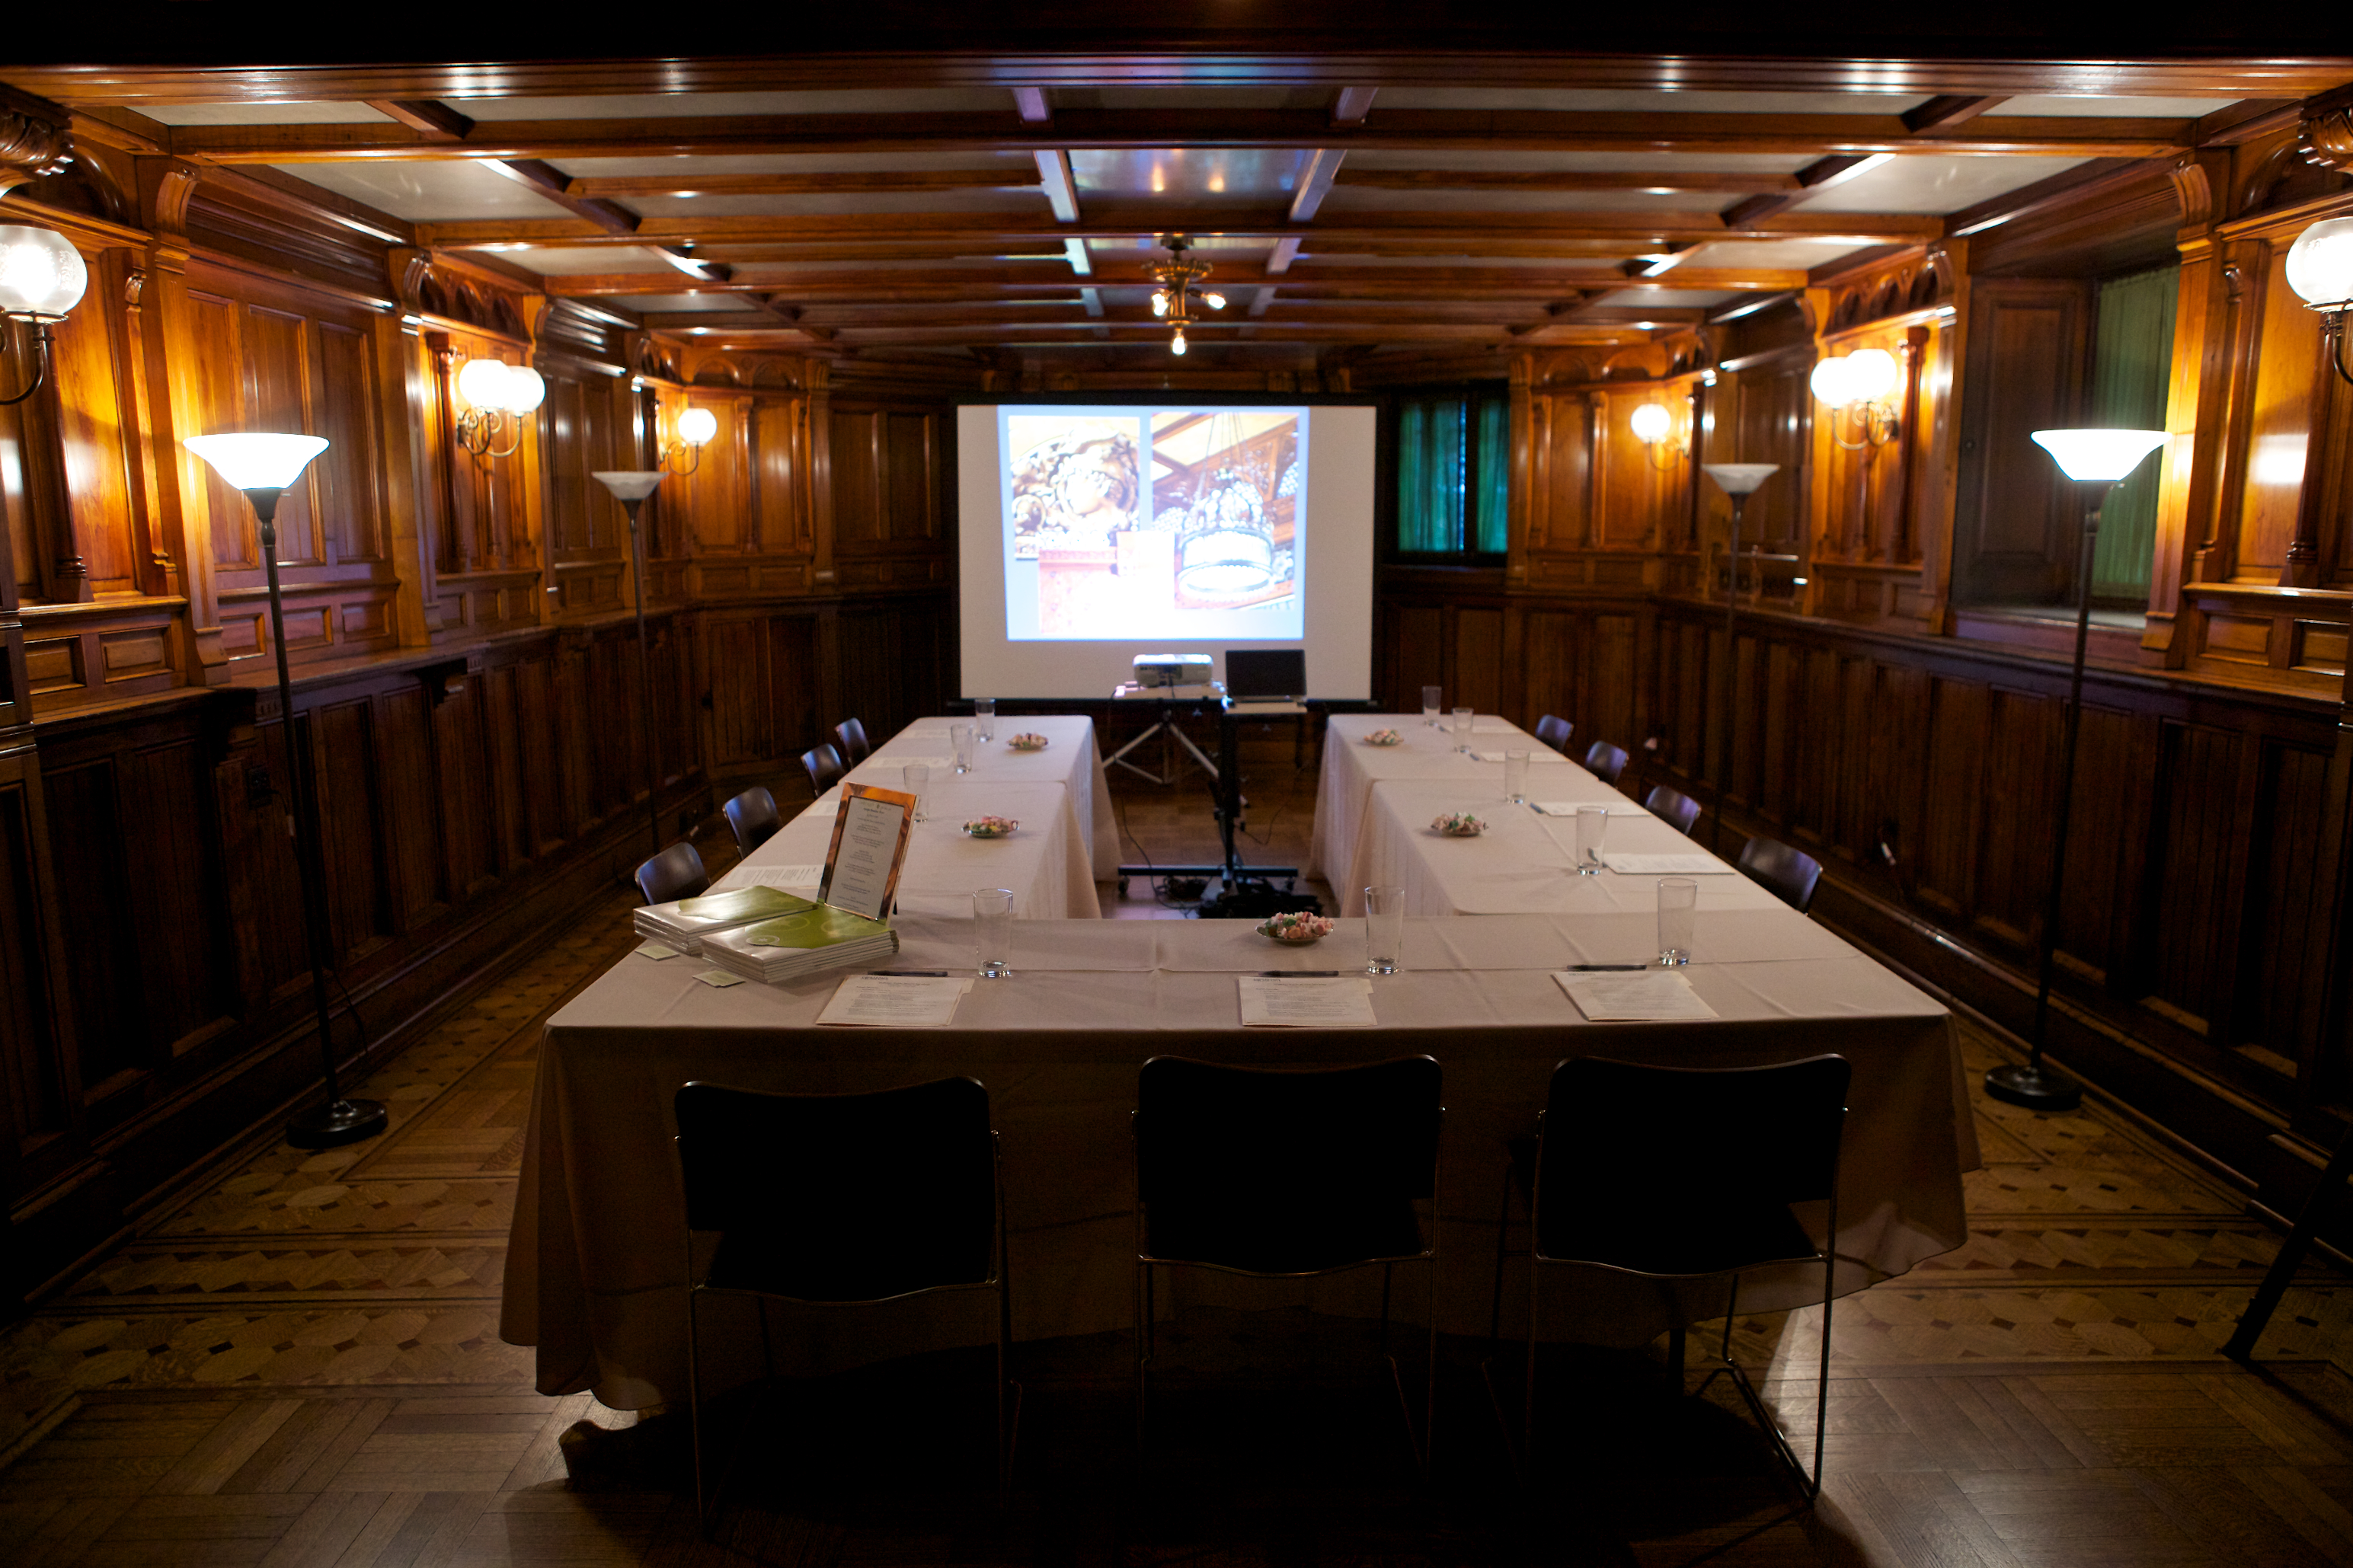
x=1453 y=473
x=2132 y=369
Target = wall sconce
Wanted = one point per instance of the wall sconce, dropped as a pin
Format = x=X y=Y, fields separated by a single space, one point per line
x=1654 y=427
x=495 y=394
x=41 y=280
x=2320 y=269
x=696 y=427
x=1857 y=386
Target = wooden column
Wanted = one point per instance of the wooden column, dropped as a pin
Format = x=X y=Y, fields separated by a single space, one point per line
x=183 y=514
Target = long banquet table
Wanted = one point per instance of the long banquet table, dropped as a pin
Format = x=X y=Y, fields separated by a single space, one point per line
x=1071 y=759
x=595 y=1277
x=1353 y=770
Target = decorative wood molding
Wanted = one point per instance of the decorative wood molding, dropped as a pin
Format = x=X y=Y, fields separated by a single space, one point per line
x=427 y=285
x=32 y=148
x=2325 y=133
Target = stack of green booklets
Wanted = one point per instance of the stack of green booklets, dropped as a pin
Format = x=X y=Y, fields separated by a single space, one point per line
x=805 y=940
x=686 y=922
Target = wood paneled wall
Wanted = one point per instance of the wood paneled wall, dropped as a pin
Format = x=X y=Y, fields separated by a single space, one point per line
x=462 y=628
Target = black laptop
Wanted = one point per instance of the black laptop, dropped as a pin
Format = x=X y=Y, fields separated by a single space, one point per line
x=1266 y=674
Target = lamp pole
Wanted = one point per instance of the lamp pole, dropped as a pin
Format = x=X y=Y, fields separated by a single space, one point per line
x=630 y=487
x=1738 y=481
x=339 y=1120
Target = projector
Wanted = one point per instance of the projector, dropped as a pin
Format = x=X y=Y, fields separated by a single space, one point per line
x=1172 y=669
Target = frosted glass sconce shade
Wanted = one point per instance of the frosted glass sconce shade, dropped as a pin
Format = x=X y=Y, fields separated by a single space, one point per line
x=42 y=277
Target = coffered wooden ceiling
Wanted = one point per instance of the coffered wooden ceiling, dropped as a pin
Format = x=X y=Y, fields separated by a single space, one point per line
x=967 y=200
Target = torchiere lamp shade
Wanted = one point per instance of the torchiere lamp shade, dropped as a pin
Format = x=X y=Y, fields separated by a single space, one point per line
x=2099 y=457
x=258 y=461
x=1741 y=478
x=629 y=484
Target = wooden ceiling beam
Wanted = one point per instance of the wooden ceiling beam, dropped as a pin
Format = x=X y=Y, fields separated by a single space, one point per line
x=1409 y=130
x=1949 y=108
x=432 y=118
x=550 y=181
x=1127 y=221
x=1561 y=180
x=1516 y=53
x=686 y=184
x=1053 y=279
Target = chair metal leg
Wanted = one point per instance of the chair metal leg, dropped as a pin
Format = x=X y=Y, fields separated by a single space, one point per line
x=1495 y=1307
x=1528 y=1403
x=694 y=1408
x=1142 y=1352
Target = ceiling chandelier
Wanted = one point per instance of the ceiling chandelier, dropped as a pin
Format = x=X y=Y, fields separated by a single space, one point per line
x=1180 y=288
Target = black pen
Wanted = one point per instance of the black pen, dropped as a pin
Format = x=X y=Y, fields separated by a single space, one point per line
x=1588 y=967
x=908 y=973
x=1299 y=975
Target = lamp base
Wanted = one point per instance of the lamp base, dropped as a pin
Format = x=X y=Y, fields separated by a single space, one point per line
x=2033 y=1087
x=339 y=1122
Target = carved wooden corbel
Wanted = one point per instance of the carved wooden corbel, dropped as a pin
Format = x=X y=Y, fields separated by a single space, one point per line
x=2324 y=134
x=32 y=149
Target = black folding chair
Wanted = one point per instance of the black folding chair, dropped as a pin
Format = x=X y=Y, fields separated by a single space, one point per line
x=852 y=736
x=1674 y=807
x=1685 y=1173
x=835 y=1200
x=824 y=769
x=752 y=818
x=1791 y=874
x=1285 y=1174
x=676 y=873
x=1605 y=761
x=1554 y=730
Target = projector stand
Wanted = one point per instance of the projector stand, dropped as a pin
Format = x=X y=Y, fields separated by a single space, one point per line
x=1242 y=893
x=1162 y=725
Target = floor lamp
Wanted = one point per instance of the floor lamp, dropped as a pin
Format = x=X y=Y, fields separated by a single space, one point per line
x=2097 y=461
x=262 y=465
x=630 y=487
x=1738 y=481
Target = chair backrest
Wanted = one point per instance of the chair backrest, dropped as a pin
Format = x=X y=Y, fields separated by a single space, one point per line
x=1671 y=806
x=1677 y=1141
x=1289 y=1170
x=1554 y=730
x=752 y=818
x=1789 y=873
x=824 y=765
x=676 y=873
x=843 y=1197
x=1605 y=761
x=852 y=736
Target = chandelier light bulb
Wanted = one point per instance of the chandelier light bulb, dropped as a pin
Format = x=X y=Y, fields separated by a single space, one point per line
x=1215 y=301
x=1160 y=302
x=1178 y=346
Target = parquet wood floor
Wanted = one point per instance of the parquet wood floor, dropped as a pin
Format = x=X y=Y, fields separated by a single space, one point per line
x=298 y=1365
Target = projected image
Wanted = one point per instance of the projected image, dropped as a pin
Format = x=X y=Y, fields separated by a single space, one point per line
x=1170 y=523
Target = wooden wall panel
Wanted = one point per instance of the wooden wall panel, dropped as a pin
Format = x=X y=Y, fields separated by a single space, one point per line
x=93 y=911
x=344 y=760
x=39 y=1097
x=2018 y=520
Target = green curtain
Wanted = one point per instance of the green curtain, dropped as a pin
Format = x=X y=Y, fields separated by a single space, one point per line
x=1453 y=474
x=2132 y=366
x=1493 y=469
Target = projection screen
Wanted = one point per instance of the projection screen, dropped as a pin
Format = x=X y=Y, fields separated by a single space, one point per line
x=1090 y=532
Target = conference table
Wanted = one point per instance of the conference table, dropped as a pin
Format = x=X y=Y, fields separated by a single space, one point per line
x=1068 y=835
x=594 y=1275
x=1353 y=770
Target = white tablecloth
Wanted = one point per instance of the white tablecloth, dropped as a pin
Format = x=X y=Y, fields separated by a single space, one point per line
x=1071 y=759
x=1352 y=769
x=1045 y=863
x=594 y=1274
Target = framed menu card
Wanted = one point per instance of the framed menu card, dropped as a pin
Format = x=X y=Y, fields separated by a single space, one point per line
x=870 y=845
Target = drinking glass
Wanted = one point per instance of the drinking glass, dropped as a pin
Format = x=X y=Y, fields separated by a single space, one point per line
x=1429 y=695
x=960 y=737
x=1678 y=910
x=1384 y=929
x=984 y=717
x=1592 y=828
x=992 y=933
x=918 y=777
x=1516 y=777
x=1462 y=717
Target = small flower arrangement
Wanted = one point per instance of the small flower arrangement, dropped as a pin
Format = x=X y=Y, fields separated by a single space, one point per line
x=1028 y=741
x=1301 y=928
x=991 y=826
x=1458 y=824
x=1384 y=738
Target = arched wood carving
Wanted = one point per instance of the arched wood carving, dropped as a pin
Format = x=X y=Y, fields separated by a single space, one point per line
x=1920 y=281
x=430 y=289
x=31 y=149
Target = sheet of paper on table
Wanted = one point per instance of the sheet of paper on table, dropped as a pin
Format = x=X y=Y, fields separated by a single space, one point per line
x=896 y=1001
x=1345 y=1002
x=1620 y=807
x=1534 y=756
x=1666 y=865
x=777 y=876
x=895 y=761
x=1653 y=994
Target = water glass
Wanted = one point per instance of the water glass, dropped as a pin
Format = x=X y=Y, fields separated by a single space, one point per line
x=1592 y=828
x=918 y=778
x=1516 y=777
x=1462 y=717
x=1384 y=929
x=1429 y=695
x=992 y=933
x=960 y=737
x=1678 y=910
x=984 y=717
